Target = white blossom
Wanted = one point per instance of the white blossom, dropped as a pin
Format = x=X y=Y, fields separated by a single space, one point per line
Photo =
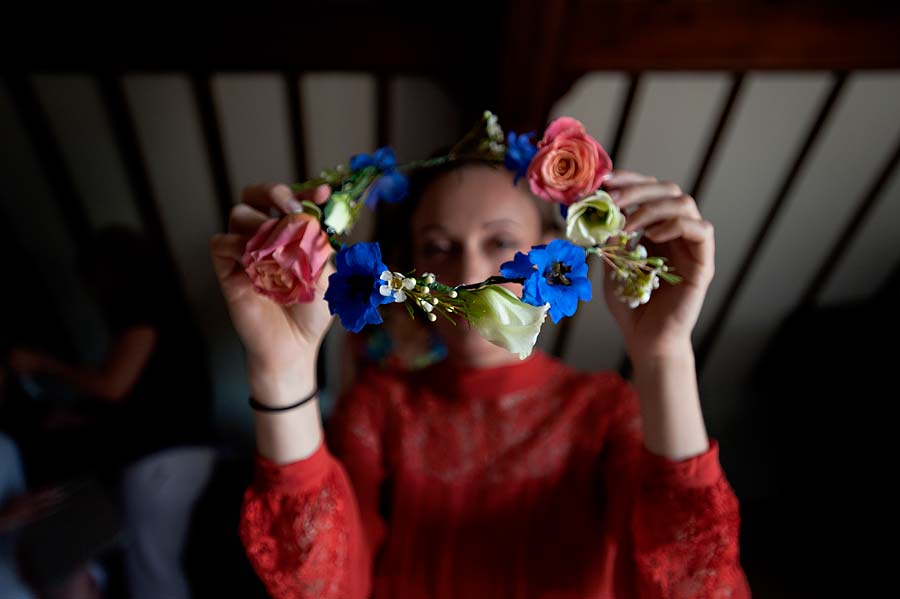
x=505 y=320
x=395 y=284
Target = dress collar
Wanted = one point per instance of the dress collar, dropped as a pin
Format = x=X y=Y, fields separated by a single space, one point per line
x=465 y=382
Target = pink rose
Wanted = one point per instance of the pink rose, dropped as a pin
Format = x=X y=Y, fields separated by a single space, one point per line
x=569 y=164
x=286 y=256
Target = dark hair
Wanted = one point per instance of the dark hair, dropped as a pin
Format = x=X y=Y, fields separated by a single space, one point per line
x=393 y=228
x=127 y=275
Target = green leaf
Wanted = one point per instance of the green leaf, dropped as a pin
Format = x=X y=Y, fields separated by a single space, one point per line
x=670 y=278
x=311 y=208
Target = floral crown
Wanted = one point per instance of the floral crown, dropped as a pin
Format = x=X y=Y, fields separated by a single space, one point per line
x=287 y=255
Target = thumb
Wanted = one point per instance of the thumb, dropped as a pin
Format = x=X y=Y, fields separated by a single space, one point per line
x=226 y=250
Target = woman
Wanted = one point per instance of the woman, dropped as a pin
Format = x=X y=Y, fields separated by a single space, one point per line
x=483 y=475
x=126 y=401
x=142 y=421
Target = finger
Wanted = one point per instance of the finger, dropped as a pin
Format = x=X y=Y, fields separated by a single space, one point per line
x=699 y=233
x=298 y=310
x=226 y=250
x=620 y=177
x=245 y=220
x=265 y=196
x=319 y=195
x=641 y=192
x=322 y=283
x=652 y=212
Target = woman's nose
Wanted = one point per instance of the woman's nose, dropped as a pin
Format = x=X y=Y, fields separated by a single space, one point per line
x=474 y=267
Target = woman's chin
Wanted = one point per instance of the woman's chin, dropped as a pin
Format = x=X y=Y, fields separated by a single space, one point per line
x=466 y=346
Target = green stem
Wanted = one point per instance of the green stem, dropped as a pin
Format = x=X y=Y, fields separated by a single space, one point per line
x=338 y=177
x=489 y=281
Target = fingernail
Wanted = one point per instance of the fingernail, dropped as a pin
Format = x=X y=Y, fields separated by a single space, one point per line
x=615 y=195
x=608 y=175
x=322 y=193
x=283 y=191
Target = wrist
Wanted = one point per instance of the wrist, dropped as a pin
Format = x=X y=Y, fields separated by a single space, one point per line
x=661 y=351
x=283 y=387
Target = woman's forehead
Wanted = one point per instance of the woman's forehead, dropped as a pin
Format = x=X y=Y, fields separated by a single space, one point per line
x=474 y=198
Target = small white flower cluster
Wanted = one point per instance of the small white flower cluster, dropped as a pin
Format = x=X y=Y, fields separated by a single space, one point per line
x=419 y=292
x=495 y=133
x=396 y=284
x=427 y=304
x=636 y=286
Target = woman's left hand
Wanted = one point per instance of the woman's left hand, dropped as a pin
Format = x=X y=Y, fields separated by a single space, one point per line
x=674 y=230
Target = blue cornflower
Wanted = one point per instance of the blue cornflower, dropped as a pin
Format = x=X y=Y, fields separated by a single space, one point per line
x=383 y=158
x=353 y=290
x=391 y=186
x=554 y=273
x=519 y=152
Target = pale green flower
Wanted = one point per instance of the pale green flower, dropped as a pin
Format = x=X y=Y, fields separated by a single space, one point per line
x=338 y=212
x=505 y=320
x=593 y=220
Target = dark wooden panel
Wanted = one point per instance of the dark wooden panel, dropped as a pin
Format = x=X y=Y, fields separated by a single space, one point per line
x=212 y=136
x=741 y=36
x=382 y=110
x=402 y=36
x=737 y=83
x=295 y=111
x=59 y=178
x=615 y=149
x=429 y=38
x=529 y=79
x=112 y=93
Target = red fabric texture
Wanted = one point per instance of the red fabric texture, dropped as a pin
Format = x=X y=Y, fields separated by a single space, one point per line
x=528 y=480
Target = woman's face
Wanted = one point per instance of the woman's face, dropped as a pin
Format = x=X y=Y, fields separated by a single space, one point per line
x=467 y=223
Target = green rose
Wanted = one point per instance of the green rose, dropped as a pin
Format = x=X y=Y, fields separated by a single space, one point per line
x=593 y=220
x=338 y=212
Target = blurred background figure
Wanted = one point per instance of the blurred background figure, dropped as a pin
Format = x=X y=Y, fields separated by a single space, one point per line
x=139 y=422
x=16 y=508
x=151 y=390
x=20 y=510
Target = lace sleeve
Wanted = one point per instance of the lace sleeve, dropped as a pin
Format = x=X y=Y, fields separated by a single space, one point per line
x=682 y=515
x=311 y=528
x=301 y=530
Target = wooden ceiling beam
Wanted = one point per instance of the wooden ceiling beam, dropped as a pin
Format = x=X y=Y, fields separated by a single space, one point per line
x=736 y=36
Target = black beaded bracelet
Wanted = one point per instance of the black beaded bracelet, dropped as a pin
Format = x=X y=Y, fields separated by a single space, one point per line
x=264 y=408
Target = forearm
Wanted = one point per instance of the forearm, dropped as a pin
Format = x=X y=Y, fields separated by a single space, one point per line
x=673 y=423
x=85 y=379
x=294 y=434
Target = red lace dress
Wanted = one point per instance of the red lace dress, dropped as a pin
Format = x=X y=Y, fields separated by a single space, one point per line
x=526 y=480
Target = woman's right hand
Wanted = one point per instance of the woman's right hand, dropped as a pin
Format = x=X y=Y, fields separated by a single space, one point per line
x=282 y=342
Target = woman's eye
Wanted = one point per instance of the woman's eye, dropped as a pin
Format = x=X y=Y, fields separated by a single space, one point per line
x=505 y=244
x=434 y=249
